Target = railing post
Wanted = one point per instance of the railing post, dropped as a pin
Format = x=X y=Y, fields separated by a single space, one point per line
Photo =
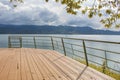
x=63 y=46
x=104 y=66
x=52 y=43
x=106 y=58
x=56 y=44
x=20 y=38
x=72 y=50
x=9 y=42
x=85 y=52
x=34 y=42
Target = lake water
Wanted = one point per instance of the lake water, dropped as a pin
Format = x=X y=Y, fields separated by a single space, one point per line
x=98 y=45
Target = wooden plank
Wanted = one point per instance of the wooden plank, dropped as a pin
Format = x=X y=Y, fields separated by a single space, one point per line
x=65 y=68
x=41 y=67
x=89 y=72
x=32 y=70
x=57 y=67
x=18 y=56
x=37 y=72
x=13 y=68
x=79 y=69
x=6 y=69
x=44 y=71
x=4 y=58
x=39 y=64
x=22 y=63
x=26 y=66
x=54 y=72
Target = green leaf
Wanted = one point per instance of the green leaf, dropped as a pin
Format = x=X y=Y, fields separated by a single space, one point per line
x=117 y=26
x=100 y=6
x=83 y=11
x=46 y=0
x=103 y=21
x=100 y=14
x=90 y=15
x=108 y=11
x=107 y=25
x=118 y=16
x=56 y=0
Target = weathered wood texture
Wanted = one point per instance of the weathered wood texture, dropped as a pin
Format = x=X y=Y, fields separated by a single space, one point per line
x=39 y=64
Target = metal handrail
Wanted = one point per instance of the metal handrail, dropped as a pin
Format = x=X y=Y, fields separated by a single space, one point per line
x=74 y=39
x=52 y=40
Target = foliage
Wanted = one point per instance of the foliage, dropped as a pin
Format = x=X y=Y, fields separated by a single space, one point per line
x=107 y=10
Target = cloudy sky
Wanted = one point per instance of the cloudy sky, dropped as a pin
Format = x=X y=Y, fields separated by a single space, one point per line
x=38 y=12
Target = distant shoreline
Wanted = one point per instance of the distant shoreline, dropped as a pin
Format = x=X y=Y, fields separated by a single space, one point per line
x=46 y=29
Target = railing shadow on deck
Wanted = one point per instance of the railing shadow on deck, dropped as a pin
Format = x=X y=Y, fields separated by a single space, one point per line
x=101 y=55
x=80 y=74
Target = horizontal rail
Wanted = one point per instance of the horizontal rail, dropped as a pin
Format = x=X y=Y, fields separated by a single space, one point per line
x=67 y=47
x=113 y=42
x=93 y=48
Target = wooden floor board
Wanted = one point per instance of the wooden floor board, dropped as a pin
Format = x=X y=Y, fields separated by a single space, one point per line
x=6 y=68
x=18 y=56
x=79 y=68
x=13 y=68
x=59 y=66
x=31 y=66
x=71 y=67
x=67 y=70
x=40 y=64
x=53 y=69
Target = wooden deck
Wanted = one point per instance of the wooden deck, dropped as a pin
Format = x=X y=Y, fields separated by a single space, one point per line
x=38 y=64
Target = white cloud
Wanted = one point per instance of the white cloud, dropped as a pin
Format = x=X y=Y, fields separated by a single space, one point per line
x=27 y=14
x=42 y=13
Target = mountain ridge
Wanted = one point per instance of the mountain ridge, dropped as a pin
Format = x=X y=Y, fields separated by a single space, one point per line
x=47 y=29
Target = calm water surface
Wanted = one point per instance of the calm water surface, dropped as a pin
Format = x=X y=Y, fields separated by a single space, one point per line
x=110 y=47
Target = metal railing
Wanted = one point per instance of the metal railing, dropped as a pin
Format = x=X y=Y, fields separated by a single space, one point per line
x=93 y=52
